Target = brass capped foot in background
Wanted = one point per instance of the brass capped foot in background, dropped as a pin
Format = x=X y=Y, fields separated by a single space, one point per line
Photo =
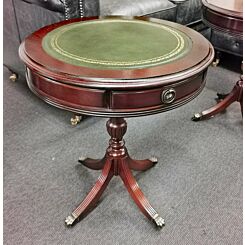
x=220 y=97
x=216 y=62
x=76 y=119
x=217 y=59
x=13 y=77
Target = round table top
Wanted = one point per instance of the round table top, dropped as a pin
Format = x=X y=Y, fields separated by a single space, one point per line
x=231 y=7
x=116 y=44
x=109 y=51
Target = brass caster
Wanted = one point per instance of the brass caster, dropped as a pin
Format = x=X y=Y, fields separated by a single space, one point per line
x=76 y=119
x=221 y=96
x=70 y=220
x=159 y=221
x=82 y=159
x=197 y=117
x=153 y=159
x=216 y=62
x=13 y=77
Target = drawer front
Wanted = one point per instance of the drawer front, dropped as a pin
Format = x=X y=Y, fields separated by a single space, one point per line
x=155 y=97
x=67 y=95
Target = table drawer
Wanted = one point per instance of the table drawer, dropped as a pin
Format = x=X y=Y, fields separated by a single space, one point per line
x=154 y=97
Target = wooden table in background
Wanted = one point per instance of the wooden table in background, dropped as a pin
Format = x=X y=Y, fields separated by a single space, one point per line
x=227 y=17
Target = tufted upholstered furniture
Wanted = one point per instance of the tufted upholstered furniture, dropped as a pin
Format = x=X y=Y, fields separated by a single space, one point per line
x=22 y=17
x=186 y=12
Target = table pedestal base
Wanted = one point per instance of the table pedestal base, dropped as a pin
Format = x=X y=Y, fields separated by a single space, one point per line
x=116 y=162
x=234 y=95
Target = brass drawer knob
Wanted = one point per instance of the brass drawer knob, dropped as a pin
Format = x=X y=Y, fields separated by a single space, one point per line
x=168 y=96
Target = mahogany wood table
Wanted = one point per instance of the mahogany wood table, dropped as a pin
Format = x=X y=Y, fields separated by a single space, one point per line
x=227 y=17
x=116 y=67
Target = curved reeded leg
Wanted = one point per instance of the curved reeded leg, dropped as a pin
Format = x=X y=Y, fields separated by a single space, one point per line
x=95 y=164
x=138 y=196
x=142 y=165
x=233 y=96
x=116 y=162
x=92 y=198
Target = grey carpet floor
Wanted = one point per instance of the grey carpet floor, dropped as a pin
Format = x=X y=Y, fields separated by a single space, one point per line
x=196 y=186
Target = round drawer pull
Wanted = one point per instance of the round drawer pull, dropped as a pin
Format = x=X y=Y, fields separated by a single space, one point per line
x=168 y=96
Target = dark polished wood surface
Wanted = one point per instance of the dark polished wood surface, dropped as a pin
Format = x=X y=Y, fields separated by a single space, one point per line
x=116 y=162
x=116 y=94
x=113 y=103
x=98 y=92
x=228 y=7
x=226 y=16
x=236 y=95
x=34 y=55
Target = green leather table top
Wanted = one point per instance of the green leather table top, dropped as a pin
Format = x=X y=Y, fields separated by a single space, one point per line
x=116 y=44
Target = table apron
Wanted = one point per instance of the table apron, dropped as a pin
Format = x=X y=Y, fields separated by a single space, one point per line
x=222 y=22
x=113 y=102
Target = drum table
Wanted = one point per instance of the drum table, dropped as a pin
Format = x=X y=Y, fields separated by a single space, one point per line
x=225 y=17
x=116 y=67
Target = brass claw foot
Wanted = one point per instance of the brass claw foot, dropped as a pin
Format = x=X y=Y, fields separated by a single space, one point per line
x=216 y=62
x=70 y=220
x=95 y=164
x=159 y=221
x=218 y=56
x=81 y=159
x=221 y=96
x=153 y=159
x=142 y=165
x=13 y=77
x=76 y=119
x=197 y=117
